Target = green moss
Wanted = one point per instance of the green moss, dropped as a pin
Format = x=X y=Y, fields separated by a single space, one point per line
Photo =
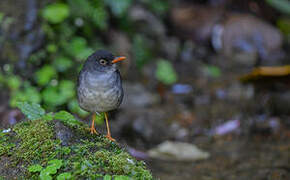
x=5 y=145
x=113 y=162
x=36 y=144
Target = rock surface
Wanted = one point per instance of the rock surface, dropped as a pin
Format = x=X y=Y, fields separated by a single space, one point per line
x=53 y=149
x=178 y=151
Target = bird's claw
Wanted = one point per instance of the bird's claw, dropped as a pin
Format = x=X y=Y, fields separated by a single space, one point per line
x=110 y=138
x=93 y=130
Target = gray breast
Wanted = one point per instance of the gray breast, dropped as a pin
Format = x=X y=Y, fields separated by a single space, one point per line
x=99 y=92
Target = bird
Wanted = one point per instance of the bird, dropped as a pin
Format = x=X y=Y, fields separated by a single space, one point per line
x=99 y=87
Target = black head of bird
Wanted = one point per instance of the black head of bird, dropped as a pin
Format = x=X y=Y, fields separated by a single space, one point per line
x=99 y=86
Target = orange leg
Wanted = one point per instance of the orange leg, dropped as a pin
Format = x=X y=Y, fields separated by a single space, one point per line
x=108 y=128
x=92 y=129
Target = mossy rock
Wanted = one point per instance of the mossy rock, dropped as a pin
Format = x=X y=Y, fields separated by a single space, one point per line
x=43 y=149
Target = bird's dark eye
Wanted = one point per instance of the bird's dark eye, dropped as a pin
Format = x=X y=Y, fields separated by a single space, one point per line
x=103 y=62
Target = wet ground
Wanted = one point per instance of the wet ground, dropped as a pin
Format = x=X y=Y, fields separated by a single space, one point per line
x=240 y=158
x=244 y=126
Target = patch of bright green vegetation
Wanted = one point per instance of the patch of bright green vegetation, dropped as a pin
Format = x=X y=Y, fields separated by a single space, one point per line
x=165 y=72
x=5 y=145
x=34 y=145
x=56 y=13
x=33 y=111
x=66 y=118
x=37 y=143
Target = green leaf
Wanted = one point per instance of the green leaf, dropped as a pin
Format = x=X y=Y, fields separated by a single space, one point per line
x=51 y=169
x=44 y=176
x=45 y=74
x=32 y=111
x=55 y=163
x=121 y=178
x=56 y=13
x=35 y=168
x=119 y=8
x=66 y=117
x=48 y=117
x=64 y=176
x=107 y=177
x=165 y=72
x=45 y=173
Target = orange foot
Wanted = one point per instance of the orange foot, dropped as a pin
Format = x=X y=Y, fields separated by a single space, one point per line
x=110 y=138
x=93 y=130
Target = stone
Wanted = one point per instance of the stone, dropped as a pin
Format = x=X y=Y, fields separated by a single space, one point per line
x=178 y=151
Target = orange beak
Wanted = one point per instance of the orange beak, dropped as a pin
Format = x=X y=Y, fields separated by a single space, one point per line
x=117 y=59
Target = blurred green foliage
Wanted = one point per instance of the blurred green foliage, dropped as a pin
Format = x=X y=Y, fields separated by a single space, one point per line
x=78 y=48
x=56 y=13
x=73 y=30
x=165 y=72
x=59 y=94
x=281 y=5
x=45 y=75
x=119 y=8
x=157 y=6
x=1 y=17
x=142 y=53
x=284 y=25
x=212 y=71
x=27 y=93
